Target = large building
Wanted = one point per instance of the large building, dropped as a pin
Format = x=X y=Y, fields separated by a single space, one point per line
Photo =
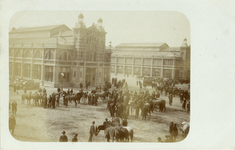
x=151 y=60
x=60 y=56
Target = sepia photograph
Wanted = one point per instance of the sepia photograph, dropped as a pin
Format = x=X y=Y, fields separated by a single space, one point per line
x=117 y=74
x=99 y=76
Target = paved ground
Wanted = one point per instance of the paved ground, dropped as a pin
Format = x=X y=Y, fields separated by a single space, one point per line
x=36 y=124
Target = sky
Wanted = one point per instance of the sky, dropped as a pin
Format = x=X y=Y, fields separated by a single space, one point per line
x=121 y=26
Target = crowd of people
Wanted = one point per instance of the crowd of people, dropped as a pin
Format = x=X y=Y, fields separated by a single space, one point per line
x=121 y=102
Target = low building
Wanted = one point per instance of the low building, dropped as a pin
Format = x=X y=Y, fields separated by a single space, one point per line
x=60 y=56
x=151 y=60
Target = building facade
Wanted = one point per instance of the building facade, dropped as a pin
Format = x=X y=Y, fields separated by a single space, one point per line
x=151 y=60
x=60 y=56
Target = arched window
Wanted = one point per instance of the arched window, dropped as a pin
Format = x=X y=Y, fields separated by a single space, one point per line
x=65 y=56
x=38 y=54
x=49 y=55
x=27 y=54
x=18 y=54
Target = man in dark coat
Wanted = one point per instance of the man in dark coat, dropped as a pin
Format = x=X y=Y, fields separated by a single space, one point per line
x=14 y=107
x=174 y=132
x=53 y=101
x=170 y=99
x=75 y=139
x=171 y=128
x=12 y=123
x=63 y=137
x=92 y=131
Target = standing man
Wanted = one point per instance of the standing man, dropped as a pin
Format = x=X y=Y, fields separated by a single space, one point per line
x=174 y=132
x=14 y=107
x=170 y=99
x=171 y=128
x=92 y=131
x=12 y=123
x=63 y=137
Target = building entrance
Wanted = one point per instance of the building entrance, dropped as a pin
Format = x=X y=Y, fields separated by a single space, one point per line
x=90 y=76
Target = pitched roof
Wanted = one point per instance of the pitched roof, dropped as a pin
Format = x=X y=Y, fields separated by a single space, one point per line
x=141 y=44
x=35 y=41
x=40 y=28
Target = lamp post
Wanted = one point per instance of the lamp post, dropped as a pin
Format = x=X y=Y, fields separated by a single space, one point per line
x=62 y=76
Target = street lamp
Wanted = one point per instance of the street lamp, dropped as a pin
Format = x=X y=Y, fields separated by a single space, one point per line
x=62 y=75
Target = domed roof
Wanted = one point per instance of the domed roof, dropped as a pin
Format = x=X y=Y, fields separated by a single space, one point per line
x=100 y=20
x=81 y=16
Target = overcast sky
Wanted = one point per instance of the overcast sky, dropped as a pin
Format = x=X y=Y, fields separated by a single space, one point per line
x=121 y=26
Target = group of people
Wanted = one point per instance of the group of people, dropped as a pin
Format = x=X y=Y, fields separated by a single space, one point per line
x=64 y=138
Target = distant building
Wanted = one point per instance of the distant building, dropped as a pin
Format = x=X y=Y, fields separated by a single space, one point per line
x=151 y=60
x=59 y=56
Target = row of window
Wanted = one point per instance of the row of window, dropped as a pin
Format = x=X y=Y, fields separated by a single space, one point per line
x=146 y=61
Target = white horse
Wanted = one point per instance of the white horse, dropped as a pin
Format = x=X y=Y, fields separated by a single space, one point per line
x=185 y=128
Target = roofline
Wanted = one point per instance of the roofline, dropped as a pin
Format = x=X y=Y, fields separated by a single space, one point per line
x=56 y=26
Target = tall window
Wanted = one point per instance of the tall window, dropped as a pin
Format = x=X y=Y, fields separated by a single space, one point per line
x=137 y=61
x=147 y=61
x=49 y=73
x=37 y=72
x=38 y=54
x=157 y=62
x=27 y=70
x=128 y=60
x=168 y=62
x=18 y=53
x=17 y=69
x=120 y=60
x=49 y=55
x=27 y=54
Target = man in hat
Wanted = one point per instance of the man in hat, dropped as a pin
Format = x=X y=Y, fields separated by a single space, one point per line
x=170 y=99
x=12 y=123
x=63 y=137
x=92 y=131
x=75 y=139
x=14 y=107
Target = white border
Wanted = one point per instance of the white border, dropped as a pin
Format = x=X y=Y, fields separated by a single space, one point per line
x=212 y=64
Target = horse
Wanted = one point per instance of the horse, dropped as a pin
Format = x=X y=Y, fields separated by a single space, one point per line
x=185 y=128
x=161 y=104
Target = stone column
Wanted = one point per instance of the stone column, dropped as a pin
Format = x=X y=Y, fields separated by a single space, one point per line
x=124 y=65
x=43 y=67
x=151 y=70
x=162 y=68
x=13 y=62
x=116 y=66
x=31 y=70
x=142 y=63
x=133 y=62
x=22 y=63
x=173 y=70
x=84 y=75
